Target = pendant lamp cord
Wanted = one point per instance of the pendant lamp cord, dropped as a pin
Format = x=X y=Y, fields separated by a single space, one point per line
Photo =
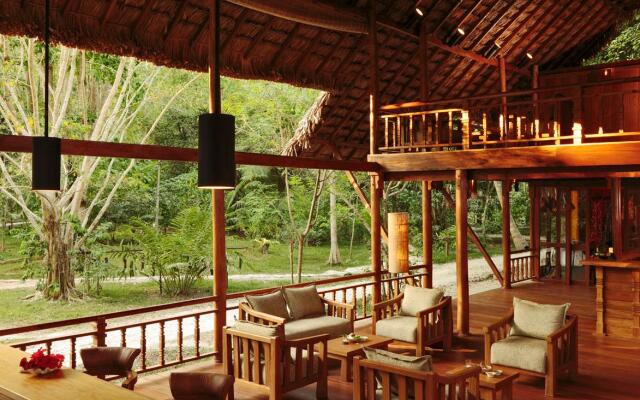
x=47 y=12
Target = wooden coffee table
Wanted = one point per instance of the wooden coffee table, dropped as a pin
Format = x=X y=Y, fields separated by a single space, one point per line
x=502 y=384
x=345 y=352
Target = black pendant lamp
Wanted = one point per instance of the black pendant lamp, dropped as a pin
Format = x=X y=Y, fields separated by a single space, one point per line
x=216 y=151
x=45 y=156
x=216 y=131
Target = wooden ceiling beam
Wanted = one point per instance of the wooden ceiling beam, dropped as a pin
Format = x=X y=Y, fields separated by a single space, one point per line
x=71 y=147
x=443 y=20
x=493 y=24
x=522 y=24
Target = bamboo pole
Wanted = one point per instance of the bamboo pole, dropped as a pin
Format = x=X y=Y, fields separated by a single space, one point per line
x=462 y=261
x=217 y=196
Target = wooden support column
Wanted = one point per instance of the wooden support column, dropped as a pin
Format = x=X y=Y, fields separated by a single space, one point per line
x=504 y=127
x=462 y=261
x=534 y=229
x=586 y=278
x=427 y=234
x=377 y=186
x=506 y=234
x=374 y=84
x=616 y=215
x=427 y=217
x=217 y=195
x=568 y=237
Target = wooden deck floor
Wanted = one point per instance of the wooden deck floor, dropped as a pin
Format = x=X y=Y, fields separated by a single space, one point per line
x=609 y=367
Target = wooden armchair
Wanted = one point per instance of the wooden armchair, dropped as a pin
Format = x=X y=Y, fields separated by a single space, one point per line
x=432 y=325
x=111 y=361
x=561 y=350
x=274 y=363
x=462 y=383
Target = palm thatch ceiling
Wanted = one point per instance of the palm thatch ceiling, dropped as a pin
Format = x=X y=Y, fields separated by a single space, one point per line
x=257 y=43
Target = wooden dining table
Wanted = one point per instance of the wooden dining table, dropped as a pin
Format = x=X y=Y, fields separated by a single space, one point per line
x=65 y=384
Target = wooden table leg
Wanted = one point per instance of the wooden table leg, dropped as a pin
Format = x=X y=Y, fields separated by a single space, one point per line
x=345 y=369
x=507 y=391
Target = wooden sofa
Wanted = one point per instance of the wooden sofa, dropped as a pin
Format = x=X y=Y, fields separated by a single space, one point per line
x=433 y=325
x=561 y=350
x=336 y=320
x=462 y=383
x=268 y=361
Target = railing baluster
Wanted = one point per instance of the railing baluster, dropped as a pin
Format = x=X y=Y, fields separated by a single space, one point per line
x=196 y=335
x=72 y=353
x=123 y=337
x=161 y=343
x=180 y=344
x=143 y=346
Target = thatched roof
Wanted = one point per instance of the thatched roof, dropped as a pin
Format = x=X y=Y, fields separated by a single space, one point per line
x=258 y=45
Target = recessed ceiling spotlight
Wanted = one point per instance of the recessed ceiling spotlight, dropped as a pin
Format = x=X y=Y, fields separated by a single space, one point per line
x=419 y=11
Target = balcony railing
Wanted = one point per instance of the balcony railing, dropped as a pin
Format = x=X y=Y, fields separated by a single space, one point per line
x=187 y=334
x=550 y=116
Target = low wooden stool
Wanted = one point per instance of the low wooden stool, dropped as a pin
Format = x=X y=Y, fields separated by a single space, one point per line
x=489 y=387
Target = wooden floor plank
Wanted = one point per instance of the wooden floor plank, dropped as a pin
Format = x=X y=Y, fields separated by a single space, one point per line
x=608 y=366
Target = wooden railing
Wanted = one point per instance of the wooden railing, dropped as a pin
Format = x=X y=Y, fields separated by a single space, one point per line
x=186 y=335
x=522 y=266
x=546 y=116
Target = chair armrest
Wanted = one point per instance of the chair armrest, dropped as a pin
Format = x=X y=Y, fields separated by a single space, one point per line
x=570 y=325
x=255 y=316
x=460 y=373
x=337 y=309
x=307 y=341
x=494 y=332
x=388 y=303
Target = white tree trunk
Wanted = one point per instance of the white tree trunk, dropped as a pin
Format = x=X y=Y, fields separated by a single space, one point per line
x=334 y=252
x=516 y=237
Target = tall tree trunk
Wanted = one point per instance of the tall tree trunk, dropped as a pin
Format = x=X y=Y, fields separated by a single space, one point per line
x=301 y=239
x=516 y=237
x=334 y=252
x=353 y=234
x=59 y=283
x=156 y=223
x=291 y=260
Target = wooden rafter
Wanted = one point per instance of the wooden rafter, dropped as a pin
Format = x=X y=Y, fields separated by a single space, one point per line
x=176 y=19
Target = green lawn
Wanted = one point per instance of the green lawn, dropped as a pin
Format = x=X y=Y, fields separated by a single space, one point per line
x=10 y=259
x=114 y=297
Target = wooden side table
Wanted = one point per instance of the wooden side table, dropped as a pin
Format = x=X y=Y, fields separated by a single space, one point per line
x=489 y=387
x=345 y=352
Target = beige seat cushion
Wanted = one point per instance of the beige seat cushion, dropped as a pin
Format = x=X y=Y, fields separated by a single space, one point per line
x=302 y=328
x=417 y=299
x=521 y=352
x=537 y=320
x=304 y=302
x=272 y=304
x=399 y=327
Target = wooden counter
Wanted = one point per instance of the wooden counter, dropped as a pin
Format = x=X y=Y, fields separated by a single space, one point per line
x=65 y=384
x=617 y=297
